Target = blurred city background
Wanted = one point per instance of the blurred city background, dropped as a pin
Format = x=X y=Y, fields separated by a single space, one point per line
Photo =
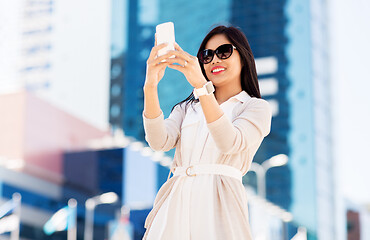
x=74 y=163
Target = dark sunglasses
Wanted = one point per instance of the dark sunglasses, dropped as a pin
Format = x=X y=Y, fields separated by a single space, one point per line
x=223 y=52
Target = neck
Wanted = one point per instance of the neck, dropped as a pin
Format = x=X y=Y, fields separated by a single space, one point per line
x=223 y=93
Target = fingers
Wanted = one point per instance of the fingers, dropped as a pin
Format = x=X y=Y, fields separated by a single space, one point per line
x=162 y=66
x=155 y=49
x=179 y=61
x=178 y=52
x=160 y=59
x=174 y=56
x=177 y=47
x=181 y=54
x=177 y=67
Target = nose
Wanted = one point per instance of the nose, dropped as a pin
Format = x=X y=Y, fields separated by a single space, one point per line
x=215 y=59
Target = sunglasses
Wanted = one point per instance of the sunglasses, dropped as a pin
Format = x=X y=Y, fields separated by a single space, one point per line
x=223 y=52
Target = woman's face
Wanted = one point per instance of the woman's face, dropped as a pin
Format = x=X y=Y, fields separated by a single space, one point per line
x=223 y=71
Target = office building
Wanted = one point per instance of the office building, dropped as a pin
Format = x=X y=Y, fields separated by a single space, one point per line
x=294 y=33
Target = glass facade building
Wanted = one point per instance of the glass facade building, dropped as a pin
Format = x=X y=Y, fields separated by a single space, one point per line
x=310 y=119
x=264 y=22
x=117 y=63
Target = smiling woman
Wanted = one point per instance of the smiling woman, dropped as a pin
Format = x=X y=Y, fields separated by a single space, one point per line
x=215 y=139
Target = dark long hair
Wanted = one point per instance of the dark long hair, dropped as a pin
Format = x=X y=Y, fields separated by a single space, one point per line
x=248 y=76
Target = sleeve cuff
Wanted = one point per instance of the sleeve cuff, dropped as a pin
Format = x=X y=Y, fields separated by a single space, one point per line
x=213 y=126
x=155 y=120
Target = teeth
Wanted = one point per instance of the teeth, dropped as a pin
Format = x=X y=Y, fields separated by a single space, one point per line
x=218 y=69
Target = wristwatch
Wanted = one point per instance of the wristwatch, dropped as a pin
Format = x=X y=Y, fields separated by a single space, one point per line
x=207 y=89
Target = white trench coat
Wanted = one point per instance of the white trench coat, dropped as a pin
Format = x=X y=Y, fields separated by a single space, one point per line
x=206 y=199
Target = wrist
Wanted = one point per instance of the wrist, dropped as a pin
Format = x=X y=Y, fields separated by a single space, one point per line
x=150 y=87
x=206 y=89
x=200 y=84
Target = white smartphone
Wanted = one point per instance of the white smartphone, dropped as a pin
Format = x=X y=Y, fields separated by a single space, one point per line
x=165 y=34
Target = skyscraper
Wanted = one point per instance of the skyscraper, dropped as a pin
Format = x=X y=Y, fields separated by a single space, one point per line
x=310 y=120
x=264 y=24
x=117 y=66
x=295 y=34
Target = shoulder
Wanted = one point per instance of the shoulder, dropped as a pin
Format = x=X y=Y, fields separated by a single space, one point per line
x=257 y=111
x=257 y=102
x=255 y=105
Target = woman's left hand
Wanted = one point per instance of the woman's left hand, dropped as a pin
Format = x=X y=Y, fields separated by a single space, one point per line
x=189 y=66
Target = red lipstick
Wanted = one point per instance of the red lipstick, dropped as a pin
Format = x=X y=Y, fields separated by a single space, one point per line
x=217 y=70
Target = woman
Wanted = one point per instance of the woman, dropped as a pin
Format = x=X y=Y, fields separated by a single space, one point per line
x=216 y=137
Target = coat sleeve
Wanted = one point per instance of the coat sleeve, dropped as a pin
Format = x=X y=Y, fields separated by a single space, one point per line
x=247 y=129
x=163 y=134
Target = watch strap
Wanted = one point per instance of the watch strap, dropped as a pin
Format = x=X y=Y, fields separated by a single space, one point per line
x=207 y=89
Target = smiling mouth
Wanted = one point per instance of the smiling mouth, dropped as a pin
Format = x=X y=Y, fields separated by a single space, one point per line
x=217 y=70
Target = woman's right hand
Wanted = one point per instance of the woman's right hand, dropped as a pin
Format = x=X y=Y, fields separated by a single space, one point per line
x=155 y=68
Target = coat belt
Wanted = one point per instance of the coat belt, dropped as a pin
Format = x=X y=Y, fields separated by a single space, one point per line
x=211 y=169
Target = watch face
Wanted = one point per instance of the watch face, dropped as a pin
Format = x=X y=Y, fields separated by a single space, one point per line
x=210 y=88
x=207 y=89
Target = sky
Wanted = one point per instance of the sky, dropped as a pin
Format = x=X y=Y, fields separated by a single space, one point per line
x=350 y=52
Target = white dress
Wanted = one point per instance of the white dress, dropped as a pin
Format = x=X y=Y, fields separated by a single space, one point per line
x=206 y=206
